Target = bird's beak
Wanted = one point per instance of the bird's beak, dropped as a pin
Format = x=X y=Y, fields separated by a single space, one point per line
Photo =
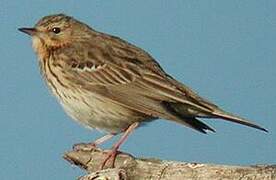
x=29 y=31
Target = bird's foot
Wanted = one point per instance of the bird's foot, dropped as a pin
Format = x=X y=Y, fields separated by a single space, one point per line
x=92 y=145
x=84 y=146
x=111 y=156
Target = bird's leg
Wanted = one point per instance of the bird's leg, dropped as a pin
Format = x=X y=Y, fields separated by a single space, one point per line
x=111 y=155
x=102 y=139
x=91 y=145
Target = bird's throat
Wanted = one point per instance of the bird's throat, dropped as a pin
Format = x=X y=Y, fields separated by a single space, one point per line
x=40 y=48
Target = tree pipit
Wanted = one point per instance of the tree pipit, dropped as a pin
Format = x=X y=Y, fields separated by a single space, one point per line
x=106 y=83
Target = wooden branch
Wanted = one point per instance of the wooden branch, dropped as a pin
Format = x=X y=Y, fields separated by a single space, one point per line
x=131 y=168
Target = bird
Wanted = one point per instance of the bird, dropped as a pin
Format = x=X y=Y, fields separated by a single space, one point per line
x=106 y=83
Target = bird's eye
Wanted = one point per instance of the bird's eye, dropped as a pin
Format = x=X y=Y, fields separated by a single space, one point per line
x=56 y=30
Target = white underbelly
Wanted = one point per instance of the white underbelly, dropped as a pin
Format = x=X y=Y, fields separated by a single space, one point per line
x=93 y=112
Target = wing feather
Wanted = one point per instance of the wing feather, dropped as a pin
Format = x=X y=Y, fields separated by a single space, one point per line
x=127 y=75
x=134 y=73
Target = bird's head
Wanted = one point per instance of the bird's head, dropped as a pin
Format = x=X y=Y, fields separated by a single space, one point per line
x=56 y=31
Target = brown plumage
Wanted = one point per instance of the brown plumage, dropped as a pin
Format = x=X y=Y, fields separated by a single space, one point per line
x=107 y=83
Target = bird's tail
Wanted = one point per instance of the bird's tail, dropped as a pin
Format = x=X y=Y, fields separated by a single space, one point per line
x=236 y=119
x=189 y=113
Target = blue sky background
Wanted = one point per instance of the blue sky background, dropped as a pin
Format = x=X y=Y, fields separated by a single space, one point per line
x=224 y=50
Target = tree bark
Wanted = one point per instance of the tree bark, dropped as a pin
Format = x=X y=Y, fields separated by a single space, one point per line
x=131 y=168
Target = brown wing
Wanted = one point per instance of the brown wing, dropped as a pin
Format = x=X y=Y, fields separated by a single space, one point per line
x=123 y=68
x=127 y=75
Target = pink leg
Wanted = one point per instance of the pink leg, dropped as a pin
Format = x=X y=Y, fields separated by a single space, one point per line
x=114 y=150
x=94 y=144
x=102 y=139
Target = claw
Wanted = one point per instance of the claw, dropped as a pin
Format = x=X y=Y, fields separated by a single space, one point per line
x=112 y=154
x=84 y=146
x=92 y=145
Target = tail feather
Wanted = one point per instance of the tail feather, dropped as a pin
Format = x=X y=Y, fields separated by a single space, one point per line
x=189 y=121
x=196 y=124
x=188 y=115
x=233 y=118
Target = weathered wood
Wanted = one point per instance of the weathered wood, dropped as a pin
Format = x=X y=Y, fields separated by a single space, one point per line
x=131 y=168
